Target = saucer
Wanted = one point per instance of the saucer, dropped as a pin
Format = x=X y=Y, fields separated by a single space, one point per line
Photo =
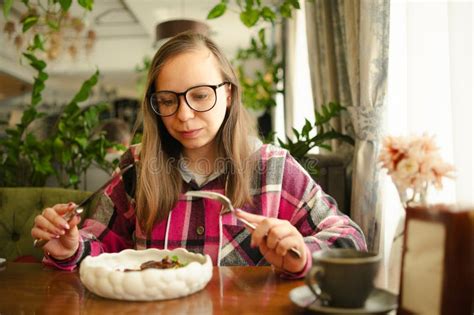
x=379 y=301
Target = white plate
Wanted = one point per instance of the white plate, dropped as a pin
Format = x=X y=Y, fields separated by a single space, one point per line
x=103 y=275
x=379 y=301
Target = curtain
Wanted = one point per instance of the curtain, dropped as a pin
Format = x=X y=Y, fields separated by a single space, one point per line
x=430 y=90
x=348 y=54
x=327 y=50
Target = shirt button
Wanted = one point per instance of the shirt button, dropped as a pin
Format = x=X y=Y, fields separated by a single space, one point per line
x=200 y=230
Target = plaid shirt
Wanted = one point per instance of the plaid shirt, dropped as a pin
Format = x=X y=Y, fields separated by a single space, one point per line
x=282 y=189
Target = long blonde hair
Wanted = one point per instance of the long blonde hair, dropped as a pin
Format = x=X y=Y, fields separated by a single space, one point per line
x=158 y=192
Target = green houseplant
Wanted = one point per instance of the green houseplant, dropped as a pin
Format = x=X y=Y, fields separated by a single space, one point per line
x=259 y=88
x=258 y=66
x=251 y=12
x=259 y=85
x=319 y=134
x=26 y=160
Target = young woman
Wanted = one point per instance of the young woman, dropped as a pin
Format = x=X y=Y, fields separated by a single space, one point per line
x=197 y=137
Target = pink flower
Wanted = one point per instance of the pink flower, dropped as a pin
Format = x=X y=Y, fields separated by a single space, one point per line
x=394 y=150
x=441 y=169
x=414 y=163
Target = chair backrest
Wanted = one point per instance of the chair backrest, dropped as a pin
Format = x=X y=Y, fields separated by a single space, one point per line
x=18 y=209
x=334 y=178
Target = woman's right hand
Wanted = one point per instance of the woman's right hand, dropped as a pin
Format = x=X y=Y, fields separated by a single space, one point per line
x=62 y=236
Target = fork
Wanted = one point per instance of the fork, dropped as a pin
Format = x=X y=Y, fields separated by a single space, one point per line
x=80 y=207
x=226 y=202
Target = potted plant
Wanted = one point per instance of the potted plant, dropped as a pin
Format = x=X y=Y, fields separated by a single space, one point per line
x=26 y=160
x=259 y=85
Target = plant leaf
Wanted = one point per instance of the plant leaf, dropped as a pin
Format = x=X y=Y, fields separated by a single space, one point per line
x=12 y=132
x=295 y=3
x=249 y=17
x=261 y=37
x=35 y=62
x=38 y=87
x=28 y=116
x=82 y=142
x=7 y=5
x=43 y=166
x=217 y=11
x=73 y=179
x=43 y=76
x=58 y=144
x=38 y=43
x=285 y=10
x=29 y=21
x=300 y=149
x=306 y=128
x=281 y=143
x=297 y=134
x=66 y=156
x=30 y=139
x=86 y=88
x=53 y=25
x=268 y=14
x=86 y=4
x=65 y=4
x=328 y=112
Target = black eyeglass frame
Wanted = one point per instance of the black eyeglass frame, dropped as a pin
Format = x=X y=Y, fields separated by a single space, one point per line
x=213 y=87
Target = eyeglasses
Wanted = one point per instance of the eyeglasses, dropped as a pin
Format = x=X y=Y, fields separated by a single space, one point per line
x=201 y=98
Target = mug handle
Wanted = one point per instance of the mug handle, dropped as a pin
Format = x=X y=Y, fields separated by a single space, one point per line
x=312 y=284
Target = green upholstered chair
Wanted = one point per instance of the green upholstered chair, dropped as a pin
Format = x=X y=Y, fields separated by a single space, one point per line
x=18 y=208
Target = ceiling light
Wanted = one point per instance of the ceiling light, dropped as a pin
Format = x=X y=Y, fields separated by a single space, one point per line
x=171 y=28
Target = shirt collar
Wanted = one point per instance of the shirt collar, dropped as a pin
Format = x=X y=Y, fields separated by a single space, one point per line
x=189 y=176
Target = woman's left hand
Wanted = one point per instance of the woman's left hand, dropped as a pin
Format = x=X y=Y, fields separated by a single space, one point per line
x=275 y=237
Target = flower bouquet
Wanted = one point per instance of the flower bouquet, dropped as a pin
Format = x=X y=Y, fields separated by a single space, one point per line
x=414 y=163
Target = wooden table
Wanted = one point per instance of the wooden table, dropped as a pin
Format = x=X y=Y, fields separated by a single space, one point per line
x=36 y=289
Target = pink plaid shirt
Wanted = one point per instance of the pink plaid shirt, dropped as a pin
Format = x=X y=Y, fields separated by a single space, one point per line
x=282 y=189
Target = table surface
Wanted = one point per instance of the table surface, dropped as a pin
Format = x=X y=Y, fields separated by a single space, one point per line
x=35 y=289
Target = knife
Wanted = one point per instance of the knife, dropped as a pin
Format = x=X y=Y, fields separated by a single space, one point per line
x=79 y=208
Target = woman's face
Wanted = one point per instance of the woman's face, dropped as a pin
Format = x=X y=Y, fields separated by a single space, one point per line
x=194 y=130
